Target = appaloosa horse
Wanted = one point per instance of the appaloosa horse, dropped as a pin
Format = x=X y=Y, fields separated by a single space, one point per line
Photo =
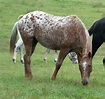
x=58 y=33
x=98 y=31
x=19 y=48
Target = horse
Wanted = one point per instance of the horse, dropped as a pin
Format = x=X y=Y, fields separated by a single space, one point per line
x=19 y=47
x=63 y=33
x=72 y=56
x=98 y=31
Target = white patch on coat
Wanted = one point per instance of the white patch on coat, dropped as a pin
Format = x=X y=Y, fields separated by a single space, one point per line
x=84 y=65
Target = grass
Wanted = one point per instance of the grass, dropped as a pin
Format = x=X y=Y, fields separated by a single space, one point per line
x=13 y=84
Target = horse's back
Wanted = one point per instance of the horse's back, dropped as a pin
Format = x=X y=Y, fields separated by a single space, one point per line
x=98 y=27
x=52 y=31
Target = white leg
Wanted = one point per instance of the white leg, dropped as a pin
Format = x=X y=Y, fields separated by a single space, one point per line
x=55 y=55
x=70 y=57
x=17 y=48
x=21 y=54
x=15 y=53
x=45 y=56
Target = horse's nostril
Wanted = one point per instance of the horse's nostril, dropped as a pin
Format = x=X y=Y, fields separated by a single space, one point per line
x=85 y=82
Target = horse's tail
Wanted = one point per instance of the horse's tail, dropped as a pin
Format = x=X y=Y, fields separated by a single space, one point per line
x=13 y=37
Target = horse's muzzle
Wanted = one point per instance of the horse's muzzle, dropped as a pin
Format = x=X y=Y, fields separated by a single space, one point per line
x=85 y=81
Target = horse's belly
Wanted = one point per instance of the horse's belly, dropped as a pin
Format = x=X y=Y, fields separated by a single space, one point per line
x=49 y=41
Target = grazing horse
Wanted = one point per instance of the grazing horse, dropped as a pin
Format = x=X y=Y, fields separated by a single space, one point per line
x=19 y=47
x=72 y=56
x=98 y=31
x=58 y=33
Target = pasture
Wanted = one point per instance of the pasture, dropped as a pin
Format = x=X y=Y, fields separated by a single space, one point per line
x=13 y=84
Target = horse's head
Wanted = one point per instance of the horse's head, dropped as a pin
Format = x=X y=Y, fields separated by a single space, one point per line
x=85 y=66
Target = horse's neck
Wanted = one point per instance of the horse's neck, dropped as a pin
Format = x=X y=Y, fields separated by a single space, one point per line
x=88 y=47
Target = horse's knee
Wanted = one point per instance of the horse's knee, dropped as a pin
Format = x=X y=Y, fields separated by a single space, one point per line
x=25 y=57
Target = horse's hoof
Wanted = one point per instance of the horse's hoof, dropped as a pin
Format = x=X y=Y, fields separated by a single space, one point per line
x=22 y=61
x=28 y=76
x=53 y=78
x=44 y=60
x=14 y=61
x=55 y=60
x=104 y=61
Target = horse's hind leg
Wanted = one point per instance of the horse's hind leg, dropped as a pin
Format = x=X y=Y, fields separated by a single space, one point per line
x=15 y=54
x=55 y=55
x=29 y=47
x=62 y=55
x=45 y=56
x=21 y=54
x=17 y=46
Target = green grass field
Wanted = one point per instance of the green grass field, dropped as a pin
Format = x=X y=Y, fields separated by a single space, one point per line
x=13 y=84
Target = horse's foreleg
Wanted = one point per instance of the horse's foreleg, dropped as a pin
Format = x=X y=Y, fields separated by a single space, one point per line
x=62 y=55
x=29 y=47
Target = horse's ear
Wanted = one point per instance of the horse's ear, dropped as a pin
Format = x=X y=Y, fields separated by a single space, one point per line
x=20 y=17
x=90 y=54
